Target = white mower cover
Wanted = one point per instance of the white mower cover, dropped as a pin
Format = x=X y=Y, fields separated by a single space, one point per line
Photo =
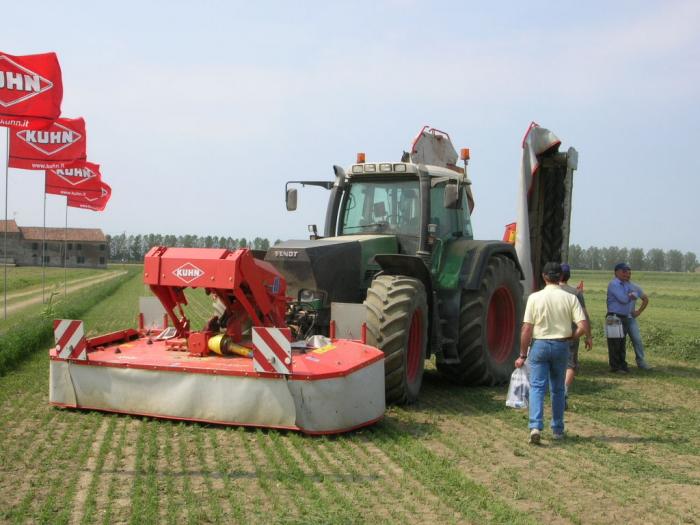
x=537 y=140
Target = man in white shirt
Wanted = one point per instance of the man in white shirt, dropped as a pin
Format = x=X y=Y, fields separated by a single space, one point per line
x=546 y=332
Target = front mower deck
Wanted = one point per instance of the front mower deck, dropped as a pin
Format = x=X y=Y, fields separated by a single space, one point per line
x=332 y=389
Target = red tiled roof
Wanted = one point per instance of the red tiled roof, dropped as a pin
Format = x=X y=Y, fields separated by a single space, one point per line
x=32 y=233
x=11 y=227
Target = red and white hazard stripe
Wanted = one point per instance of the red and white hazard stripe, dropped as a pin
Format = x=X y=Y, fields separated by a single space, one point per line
x=70 y=339
x=272 y=351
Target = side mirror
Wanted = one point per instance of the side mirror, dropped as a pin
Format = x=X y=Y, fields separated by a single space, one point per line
x=291 y=199
x=451 y=199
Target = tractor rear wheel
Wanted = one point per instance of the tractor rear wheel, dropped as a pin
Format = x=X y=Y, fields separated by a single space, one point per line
x=397 y=324
x=489 y=327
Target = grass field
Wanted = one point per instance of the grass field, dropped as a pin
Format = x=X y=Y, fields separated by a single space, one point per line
x=632 y=453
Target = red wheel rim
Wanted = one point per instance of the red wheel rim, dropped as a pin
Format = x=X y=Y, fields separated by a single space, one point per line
x=500 y=324
x=415 y=345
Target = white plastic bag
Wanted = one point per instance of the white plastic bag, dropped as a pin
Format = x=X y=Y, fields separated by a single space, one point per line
x=613 y=327
x=519 y=388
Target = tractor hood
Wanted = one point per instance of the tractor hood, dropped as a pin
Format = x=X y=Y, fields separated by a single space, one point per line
x=343 y=267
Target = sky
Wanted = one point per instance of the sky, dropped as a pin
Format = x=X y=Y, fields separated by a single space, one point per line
x=199 y=112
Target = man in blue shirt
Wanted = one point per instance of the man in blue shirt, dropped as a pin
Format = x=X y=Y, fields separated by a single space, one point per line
x=634 y=333
x=621 y=299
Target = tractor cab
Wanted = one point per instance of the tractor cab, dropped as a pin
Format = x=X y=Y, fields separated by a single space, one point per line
x=417 y=204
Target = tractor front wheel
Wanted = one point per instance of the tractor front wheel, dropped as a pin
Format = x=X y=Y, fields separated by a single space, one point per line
x=489 y=327
x=397 y=324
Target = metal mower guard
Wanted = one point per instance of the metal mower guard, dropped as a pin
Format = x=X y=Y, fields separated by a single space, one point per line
x=219 y=374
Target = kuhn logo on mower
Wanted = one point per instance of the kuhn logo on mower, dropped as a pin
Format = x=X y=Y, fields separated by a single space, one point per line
x=50 y=142
x=188 y=272
x=18 y=83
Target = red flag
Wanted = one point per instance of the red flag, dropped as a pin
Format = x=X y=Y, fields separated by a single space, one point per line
x=75 y=182
x=31 y=90
x=92 y=203
x=61 y=145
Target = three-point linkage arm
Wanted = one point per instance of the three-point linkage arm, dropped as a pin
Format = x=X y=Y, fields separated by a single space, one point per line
x=250 y=289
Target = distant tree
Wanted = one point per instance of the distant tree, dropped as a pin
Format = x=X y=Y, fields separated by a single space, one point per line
x=278 y=241
x=576 y=256
x=170 y=240
x=242 y=243
x=690 y=262
x=593 y=258
x=636 y=258
x=656 y=260
x=674 y=261
x=209 y=241
x=260 y=244
x=610 y=256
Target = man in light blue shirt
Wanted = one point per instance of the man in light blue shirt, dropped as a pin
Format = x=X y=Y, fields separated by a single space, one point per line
x=621 y=298
x=634 y=333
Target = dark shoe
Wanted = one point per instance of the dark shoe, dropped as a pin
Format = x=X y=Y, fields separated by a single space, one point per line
x=558 y=436
x=645 y=366
x=620 y=371
x=534 y=437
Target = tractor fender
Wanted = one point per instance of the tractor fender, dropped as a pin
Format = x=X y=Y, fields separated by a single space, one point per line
x=409 y=265
x=465 y=262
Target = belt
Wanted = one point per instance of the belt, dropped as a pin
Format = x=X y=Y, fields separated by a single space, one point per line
x=560 y=340
x=619 y=316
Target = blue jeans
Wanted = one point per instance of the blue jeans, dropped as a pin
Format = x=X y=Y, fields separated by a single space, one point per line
x=547 y=361
x=636 y=338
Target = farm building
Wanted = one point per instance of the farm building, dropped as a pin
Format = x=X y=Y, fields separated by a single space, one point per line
x=85 y=247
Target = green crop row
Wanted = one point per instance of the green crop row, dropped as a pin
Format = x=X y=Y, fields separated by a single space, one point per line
x=35 y=333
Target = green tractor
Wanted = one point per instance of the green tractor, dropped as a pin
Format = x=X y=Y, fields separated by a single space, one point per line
x=398 y=255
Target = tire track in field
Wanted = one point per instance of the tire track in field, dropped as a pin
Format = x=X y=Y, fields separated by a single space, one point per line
x=72 y=287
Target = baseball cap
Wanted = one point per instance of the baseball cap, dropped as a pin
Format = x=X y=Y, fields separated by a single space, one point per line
x=565 y=270
x=622 y=266
x=552 y=270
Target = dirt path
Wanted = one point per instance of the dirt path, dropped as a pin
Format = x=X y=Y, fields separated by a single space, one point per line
x=35 y=296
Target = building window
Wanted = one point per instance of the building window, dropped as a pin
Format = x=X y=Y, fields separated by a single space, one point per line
x=35 y=246
x=102 y=247
x=47 y=259
x=102 y=260
x=70 y=245
x=78 y=246
x=80 y=259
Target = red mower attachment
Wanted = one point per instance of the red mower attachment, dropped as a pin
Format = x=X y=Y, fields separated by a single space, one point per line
x=242 y=368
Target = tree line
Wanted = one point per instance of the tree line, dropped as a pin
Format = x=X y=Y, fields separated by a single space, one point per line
x=132 y=248
x=594 y=258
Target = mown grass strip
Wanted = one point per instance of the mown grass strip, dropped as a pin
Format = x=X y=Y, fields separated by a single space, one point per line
x=59 y=484
x=144 y=492
x=118 y=459
x=212 y=496
x=90 y=504
x=233 y=490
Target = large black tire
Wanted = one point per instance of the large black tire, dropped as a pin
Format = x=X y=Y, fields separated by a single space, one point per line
x=489 y=327
x=397 y=324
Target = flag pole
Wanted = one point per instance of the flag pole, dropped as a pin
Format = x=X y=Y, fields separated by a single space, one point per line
x=65 y=254
x=43 y=253
x=7 y=169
